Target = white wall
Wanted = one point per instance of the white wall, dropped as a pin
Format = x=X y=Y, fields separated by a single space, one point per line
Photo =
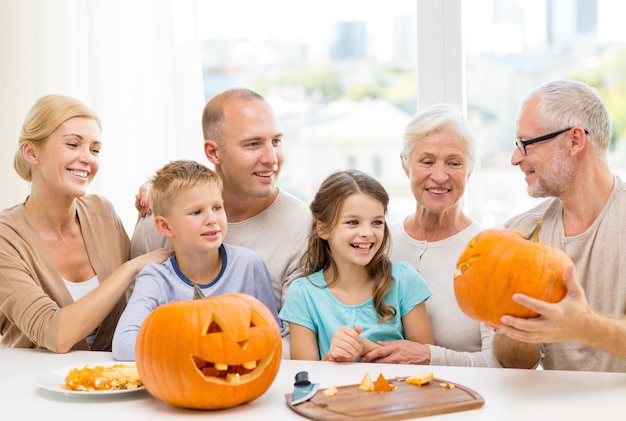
x=137 y=63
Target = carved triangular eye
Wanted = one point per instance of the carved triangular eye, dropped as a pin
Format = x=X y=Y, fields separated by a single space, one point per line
x=257 y=319
x=214 y=328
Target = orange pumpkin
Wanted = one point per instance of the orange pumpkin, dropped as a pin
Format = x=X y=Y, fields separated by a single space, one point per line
x=210 y=353
x=500 y=262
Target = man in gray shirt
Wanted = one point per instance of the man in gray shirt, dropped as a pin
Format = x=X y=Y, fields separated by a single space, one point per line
x=243 y=141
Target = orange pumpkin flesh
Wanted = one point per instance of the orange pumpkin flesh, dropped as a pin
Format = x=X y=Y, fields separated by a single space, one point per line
x=209 y=353
x=498 y=263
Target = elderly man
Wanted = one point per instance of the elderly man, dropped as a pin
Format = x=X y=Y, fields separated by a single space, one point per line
x=563 y=133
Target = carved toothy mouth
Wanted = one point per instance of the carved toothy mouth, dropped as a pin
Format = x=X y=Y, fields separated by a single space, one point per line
x=232 y=374
x=224 y=370
x=224 y=373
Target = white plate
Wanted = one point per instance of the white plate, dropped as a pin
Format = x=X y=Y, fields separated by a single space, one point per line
x=54 y=380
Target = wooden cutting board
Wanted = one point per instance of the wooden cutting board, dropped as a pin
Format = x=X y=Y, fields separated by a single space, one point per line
x=406 y=401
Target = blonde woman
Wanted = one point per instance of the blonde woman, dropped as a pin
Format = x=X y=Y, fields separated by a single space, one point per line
x=64 y=254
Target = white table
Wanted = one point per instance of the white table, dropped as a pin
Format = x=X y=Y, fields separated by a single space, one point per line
x=508 y=394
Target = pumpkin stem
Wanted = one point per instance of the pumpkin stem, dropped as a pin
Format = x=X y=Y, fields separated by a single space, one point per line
x=197 y=292
x=534 y=234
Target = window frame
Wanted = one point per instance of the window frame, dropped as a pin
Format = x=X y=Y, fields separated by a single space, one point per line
x=441 y=56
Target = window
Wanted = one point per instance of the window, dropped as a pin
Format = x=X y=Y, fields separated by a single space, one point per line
x=343 y=78
x=513 y=46
x=340 y=75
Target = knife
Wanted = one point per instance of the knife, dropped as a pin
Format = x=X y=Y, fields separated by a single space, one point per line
x=303 y=389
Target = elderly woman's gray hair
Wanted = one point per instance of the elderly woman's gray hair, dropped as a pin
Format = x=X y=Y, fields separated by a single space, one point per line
x=439 y=117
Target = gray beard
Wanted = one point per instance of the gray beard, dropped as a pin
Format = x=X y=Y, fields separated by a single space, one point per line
x=556 y=179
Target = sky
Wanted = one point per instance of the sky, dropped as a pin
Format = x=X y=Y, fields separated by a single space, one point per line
x=313 y=21
x=293 y=19
x=290 y=18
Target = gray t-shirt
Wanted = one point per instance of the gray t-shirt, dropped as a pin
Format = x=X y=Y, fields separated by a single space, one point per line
x=243 y=270
x=279 y=234
x=598 y=256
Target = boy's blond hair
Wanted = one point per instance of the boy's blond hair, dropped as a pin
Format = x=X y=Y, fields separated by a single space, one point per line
x=175 y=177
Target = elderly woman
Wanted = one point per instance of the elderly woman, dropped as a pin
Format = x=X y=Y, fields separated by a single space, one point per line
x=438 y=156
x=64 y=254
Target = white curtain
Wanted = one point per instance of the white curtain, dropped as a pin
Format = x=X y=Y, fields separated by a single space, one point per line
x=137 y=63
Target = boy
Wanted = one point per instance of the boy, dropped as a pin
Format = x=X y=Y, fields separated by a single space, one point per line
x=188 y=207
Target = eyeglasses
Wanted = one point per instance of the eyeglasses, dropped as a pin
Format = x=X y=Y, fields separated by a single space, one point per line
x=521 y=144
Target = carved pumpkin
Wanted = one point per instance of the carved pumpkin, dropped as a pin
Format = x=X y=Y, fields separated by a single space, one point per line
x=210 y=353
x=500 y=262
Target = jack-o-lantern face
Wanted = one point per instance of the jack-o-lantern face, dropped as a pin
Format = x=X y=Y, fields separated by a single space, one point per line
x=210 y=353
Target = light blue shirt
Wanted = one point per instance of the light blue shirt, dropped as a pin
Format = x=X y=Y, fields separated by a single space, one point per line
x=243 y=270
x=310 y=303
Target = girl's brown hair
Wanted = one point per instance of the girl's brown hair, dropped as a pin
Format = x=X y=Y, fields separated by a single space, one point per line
x=325 y=208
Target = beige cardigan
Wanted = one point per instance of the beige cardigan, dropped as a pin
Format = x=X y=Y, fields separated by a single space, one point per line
x=31 y=289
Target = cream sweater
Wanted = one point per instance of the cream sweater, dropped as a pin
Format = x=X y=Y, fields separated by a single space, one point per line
x=459 y=340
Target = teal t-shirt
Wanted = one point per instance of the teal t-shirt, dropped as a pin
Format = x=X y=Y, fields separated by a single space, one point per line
x=310 y=303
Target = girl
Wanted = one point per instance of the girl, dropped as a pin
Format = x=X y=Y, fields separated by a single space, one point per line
x=351 y=295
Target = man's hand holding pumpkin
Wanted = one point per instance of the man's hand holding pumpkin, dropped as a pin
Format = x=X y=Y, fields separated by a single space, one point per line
x=562 y=321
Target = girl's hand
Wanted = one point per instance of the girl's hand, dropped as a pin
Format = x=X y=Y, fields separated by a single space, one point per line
x=398 y=352
x=346 y=345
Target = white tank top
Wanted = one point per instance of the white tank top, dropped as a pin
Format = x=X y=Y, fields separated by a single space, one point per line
x=78 y=290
